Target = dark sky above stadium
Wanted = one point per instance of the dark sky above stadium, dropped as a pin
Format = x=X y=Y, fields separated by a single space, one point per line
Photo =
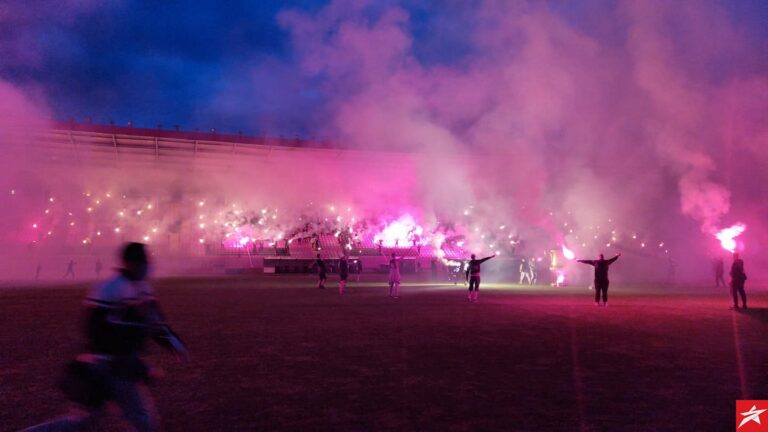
x=230 y=64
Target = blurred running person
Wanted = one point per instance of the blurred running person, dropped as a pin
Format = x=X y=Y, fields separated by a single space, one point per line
x=343 y=273
x=121 y=314
x=738 y=278
x=473 y=276
x=601 y=276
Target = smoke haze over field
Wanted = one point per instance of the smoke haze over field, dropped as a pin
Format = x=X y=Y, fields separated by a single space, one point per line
x=627 y=121
x=620 y=123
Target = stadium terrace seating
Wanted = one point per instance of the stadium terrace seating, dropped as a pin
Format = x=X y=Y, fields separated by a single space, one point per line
x=329 y=246
x=301 y=249
x=454 y=252
x=262 y=248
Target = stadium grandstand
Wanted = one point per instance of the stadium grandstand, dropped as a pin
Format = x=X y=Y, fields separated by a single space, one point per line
x=111 y=151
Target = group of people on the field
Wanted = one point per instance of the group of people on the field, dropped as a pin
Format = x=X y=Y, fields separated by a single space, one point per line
x=123 y=313
x=322 y=273
x=528 y=274
x=738 y=279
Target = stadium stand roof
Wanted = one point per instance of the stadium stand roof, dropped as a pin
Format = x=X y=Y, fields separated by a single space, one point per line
x=69 y=142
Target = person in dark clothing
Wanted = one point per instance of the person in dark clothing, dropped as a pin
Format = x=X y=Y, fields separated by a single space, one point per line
x=321 y=272
x=601 y=276
x=70 y=269
x=738 y=278
x=359 y=263
x=121 y=314
x=343 y=273
x=473 y=276
x=719 y=267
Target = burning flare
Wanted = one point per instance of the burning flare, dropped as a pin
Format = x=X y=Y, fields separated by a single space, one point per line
x=399 y=232
x=568 y=254
x=727 y=236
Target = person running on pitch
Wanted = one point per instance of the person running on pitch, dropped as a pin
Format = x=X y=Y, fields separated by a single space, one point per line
x=321 y=275
x=601 y=276
x=343 y=273
x=738 y=278
x=473 y=276
x=121 y=314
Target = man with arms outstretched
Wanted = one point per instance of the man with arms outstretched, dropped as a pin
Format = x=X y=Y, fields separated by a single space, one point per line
x=601 y=276
x=473 y=276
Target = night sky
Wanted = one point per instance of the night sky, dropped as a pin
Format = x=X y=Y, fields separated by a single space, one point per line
x=227 y=64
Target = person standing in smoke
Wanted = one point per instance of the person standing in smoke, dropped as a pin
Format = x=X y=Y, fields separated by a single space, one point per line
x=70 y=269
x=321 y=273
x=98 y=267
x=473 y=276
x=38 y=270
x=532 y=271
x=601 y=276
x=719 y=267
x=671 y=271
x=738 y=278
x=121 y=314
x=524 y=273
x=359 y=268
x=394 y=276
x=343 y=273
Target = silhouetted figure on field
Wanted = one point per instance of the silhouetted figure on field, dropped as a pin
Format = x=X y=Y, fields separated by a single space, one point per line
x=359 y=268
x=473 y=276
x=525 y=273
x=343 y=273
x=98 y=267
x=532 y=273
x=601 y=276
x=394 y=276
x=671 y=271
x=121 y=314
x=719 y=267
x=738 y=278
x=38 y=270
x=70 y=269
x=321 y=272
